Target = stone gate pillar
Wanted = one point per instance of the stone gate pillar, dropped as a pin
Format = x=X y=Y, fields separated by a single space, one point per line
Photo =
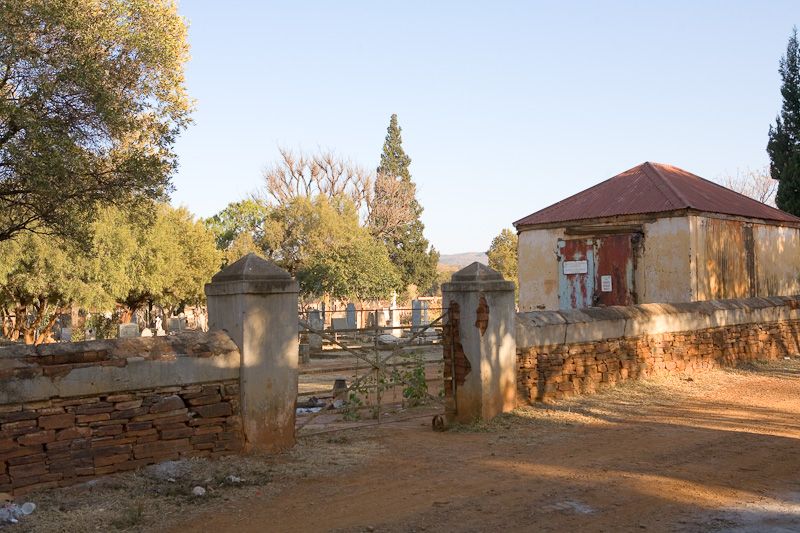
x=255 y=301
x=479 y=345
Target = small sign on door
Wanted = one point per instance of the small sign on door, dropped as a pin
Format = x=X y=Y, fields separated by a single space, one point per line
x=605 y=283
x=576 y=267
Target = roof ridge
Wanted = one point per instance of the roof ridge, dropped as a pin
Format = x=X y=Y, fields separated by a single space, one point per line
x=647 y=165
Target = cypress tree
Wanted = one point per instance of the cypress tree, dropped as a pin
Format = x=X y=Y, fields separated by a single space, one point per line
x=408 y=248
x=784 y=138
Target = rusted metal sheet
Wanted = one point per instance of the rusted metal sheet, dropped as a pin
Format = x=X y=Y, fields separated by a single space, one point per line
x=614 y=281
x=575 y=273
x=729 y=260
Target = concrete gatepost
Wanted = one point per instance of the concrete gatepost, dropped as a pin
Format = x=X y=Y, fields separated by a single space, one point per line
x=255 y=302
x=479 y=345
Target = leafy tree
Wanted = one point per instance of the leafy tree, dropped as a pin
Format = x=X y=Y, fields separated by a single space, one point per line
x=175 y=257
x=357 y=269
x=503 y=255
x=92 y=98
x=784 y=138
x=244 y=227
x=408 y=248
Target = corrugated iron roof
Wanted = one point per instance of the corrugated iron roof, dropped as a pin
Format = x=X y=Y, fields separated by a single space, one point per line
x=653 y=188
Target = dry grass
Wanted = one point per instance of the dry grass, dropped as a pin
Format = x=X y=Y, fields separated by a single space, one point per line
x=148 y=499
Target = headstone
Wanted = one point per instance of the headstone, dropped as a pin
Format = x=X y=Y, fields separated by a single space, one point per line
x=322 y=310
x=158 y=324
x=89 y=334
x=315 y=319
x=127 y=331
x=339 y=323
x=386 y=318
x=66 y=335
x=416 y=315
x=176 y=324
x=146 y=332
x=350 y=314
x=424 y=304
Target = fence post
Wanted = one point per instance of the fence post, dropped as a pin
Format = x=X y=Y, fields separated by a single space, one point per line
x=255 y=301
x=480 y=347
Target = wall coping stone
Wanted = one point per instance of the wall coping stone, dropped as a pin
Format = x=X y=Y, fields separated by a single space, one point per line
x=541 y=328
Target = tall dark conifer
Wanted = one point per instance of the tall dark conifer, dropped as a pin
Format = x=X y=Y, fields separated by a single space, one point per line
x=408 y=248
x=784 y=137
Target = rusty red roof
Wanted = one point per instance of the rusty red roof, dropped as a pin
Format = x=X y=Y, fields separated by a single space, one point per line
x=653 y=188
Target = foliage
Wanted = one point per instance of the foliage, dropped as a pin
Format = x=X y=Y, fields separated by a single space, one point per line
x=503 y=254
x=408 y=248
x=174 y=257
x=335 y=256
x=166 y=261
x=92 y=98
x=784 y=137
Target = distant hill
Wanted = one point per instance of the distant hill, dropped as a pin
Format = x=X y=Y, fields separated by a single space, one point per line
x=463 y=259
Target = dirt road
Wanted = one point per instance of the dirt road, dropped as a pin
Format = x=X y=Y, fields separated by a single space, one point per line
x=717 y=453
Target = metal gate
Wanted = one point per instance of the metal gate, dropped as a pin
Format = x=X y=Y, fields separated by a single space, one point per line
x=380 y=376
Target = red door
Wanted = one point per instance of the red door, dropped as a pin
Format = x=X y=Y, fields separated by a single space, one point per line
x=614 y=281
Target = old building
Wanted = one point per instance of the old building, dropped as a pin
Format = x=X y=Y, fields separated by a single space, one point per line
x=655 y=233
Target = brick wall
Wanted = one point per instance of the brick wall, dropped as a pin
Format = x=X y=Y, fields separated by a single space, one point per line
x=118 y=405
x=561 y=354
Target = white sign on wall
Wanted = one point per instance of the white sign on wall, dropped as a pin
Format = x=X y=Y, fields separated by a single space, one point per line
x=576 y=267
x=605 y=283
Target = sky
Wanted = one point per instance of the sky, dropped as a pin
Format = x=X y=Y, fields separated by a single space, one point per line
x=505 y=107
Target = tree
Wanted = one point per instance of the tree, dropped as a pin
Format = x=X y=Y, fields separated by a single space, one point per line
x=503 y=255
x=784 y=138
x=244 y=227
x=175 y=256
x=408 y=248
x=92 y=98
x=309 y=176
x=756 y=184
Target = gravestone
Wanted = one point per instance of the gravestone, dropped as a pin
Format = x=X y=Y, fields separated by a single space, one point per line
x=89 y=334
x=350 y=314
x=416 y=315
x=127 y=331
x=176 y=324
x=425 y=304
x=316 y=322
x=338 y=323
x=146 y=332
x=66 y=335
x=322 y=311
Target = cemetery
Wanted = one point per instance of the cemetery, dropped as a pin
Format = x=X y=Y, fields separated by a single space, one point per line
x=209 y=332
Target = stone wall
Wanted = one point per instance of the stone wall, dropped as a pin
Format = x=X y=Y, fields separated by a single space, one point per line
x=73 y=411
x=563 y=353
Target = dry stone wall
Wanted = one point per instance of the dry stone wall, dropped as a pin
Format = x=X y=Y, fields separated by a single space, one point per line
x=564 y=353
x=71 y=412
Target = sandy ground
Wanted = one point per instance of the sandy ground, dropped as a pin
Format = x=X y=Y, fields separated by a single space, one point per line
x=717 y=453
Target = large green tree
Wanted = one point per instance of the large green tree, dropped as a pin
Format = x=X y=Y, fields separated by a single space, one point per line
x=784 y=137
x=397 y=223
x=92 y=96
x=503 y=255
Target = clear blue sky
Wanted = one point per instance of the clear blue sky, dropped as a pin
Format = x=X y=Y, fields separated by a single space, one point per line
x=506 y=107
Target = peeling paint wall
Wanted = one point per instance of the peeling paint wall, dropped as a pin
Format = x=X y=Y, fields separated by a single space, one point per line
x=538 y=269
x=662 y=271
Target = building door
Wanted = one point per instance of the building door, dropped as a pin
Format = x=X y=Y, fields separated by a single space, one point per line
x=576 y=270
x=614 y=280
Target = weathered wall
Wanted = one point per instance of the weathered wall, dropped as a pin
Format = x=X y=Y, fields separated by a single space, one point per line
x=662 y=273
x=739 y=258
x=563 y=353
x=69 y=412
x=538 y=269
